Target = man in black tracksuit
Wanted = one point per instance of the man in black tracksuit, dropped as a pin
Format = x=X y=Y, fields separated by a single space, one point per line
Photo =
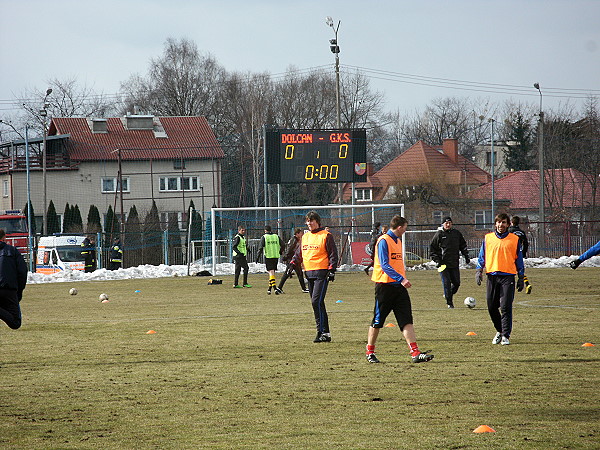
x=13 y=278
x=514 y=228
x=292 y=245
x=444 y=249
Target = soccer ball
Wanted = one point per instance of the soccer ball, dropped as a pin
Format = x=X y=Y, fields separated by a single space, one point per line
x=73 y=291
x=469 y=302
x=103 y=297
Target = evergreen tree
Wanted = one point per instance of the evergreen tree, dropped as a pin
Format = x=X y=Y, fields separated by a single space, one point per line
x=93 y=220
x=520 y=155
x=53 y=220
x=67 y=219
x=152 y=236
x=132 y=245
x=111 y=226
x=77 y=220
x=26 y=212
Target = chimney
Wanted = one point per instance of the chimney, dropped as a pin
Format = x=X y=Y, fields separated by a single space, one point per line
x=139 y=122
x=98 y=125
x=370 y=169
x=450 y=149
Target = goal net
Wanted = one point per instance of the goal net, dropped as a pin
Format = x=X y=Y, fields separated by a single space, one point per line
x=350 y=225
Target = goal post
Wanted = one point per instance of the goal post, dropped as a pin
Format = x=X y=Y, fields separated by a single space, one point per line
x=348 y=223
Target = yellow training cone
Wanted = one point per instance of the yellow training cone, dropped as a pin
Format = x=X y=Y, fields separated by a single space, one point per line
x=150 y=332
x=588 y=344
x=483 y=429
x=471 y=333
x=390 y=325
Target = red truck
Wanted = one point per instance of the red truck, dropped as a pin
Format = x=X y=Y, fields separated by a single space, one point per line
x=15 y=225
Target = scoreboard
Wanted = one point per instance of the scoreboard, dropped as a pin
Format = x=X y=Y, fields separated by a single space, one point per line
x=316 y=156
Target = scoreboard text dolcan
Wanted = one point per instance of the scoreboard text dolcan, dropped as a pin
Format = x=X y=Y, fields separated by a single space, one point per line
x=316 y=156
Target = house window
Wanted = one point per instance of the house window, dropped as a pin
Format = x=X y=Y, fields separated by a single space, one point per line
x=179 y=164
x=362 y=194
x=483 y=220
x=5 y=190
x=111 y=184
x=437 y=216
x=169 y=184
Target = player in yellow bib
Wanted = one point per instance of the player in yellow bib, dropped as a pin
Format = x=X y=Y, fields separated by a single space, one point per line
x=272 y=246
x=391 y=291
x=318 y=253
x=502 y=259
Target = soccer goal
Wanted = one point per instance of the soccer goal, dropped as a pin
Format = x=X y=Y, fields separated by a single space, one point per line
x=349 y=224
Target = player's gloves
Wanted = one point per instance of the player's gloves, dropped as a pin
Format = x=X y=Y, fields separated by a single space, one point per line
x=520 y=283
x=527 y=285
x=331 y=276
x=478 y=277
x=575 y=264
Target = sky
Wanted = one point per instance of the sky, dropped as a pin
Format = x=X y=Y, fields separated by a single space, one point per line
x=413 y=51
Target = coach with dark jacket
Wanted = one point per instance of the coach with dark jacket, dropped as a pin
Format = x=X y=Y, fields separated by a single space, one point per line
x=444 y=249
x=13 y=278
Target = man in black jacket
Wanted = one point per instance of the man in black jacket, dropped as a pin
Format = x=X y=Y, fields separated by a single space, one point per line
x=13 y=278
x=514 y=228
x=292 y=245
x=444 y=249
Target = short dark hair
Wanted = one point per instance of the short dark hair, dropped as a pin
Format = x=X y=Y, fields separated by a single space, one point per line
x=268 y=228
x=502 y=216
x=312 y=215
x=2 y=233
x=397 y=221
x=516 y=220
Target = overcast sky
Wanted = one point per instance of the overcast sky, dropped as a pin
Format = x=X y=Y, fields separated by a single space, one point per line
x=423 y=46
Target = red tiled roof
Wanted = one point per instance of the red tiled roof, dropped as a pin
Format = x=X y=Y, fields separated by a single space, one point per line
x=420 y=163
x=522 y=189
x=188 y=137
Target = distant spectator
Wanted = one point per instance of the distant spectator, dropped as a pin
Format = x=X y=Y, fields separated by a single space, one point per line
x=514 y=228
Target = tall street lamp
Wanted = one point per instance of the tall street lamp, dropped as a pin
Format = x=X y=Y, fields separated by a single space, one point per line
x=542 y=212
x=44 y=114
x=335 y=49
x=493 y=161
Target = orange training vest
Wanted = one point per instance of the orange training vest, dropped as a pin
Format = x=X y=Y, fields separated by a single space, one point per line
x=501 y=254
x=395 y=260
x=314 y=253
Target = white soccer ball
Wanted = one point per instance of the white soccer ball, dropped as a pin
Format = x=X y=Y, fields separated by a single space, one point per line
x=469 y=302
x=103 y=297
x=73 y=291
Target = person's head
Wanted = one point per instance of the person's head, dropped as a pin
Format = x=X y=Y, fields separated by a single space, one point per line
x=516 y=220
x=447 y=223
x=313 y=220
x=376 y=225
x=501 y=223
x=384 y=229
x=241 y=230
x=2 y=234
x=268 y=228
x=398 y=225
x=298 y=232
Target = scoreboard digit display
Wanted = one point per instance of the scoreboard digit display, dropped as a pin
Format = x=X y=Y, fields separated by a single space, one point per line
x=316 y=156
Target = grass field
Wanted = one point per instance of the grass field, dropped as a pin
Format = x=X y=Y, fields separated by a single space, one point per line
x=237 y=368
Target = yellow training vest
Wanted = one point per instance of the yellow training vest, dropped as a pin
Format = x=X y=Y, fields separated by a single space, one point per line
x=314 y=253
x=501 y=254
x=394 y=257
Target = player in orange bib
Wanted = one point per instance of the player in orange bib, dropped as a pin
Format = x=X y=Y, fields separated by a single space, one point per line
x=502 y=259
x=318 y=253
x=391 y=291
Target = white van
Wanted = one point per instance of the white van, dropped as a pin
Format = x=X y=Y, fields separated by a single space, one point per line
x=56 y=253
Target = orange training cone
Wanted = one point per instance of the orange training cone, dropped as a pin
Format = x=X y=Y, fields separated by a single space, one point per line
x=588 y=344
x=483 y=429
x=471 y=333
x=390 y=325
x=150 y=332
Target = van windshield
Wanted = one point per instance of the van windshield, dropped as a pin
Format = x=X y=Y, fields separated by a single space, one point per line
x=70 y=253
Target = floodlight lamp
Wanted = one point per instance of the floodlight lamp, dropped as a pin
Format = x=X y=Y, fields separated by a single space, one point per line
x=329 y=21
x=537 y=86
x=48 y=91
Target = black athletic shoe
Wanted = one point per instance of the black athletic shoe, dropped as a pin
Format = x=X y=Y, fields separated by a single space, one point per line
x=278 y=291
x=322 y=338
x=367 y=272
x=450 y=305
x=269 y=291
x=306 y=291
x=372 y=358
x=422 y=357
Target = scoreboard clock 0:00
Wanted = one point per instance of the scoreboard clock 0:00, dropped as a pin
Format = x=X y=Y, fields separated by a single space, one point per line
x=316 y=156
